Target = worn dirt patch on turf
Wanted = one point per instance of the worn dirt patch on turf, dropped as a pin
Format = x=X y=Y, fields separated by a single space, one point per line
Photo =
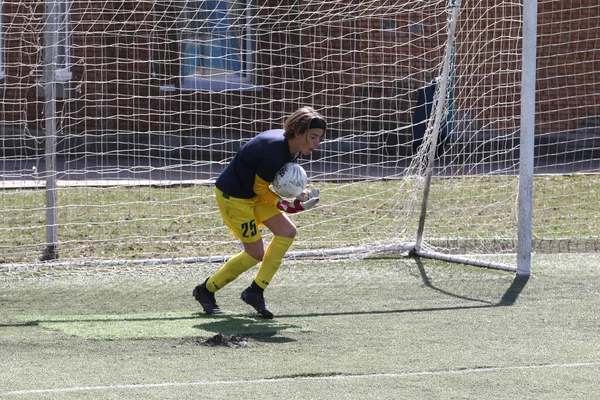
x=233 y=341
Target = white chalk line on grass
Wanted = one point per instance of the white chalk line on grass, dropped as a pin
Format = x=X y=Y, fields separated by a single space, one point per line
x=298 y=378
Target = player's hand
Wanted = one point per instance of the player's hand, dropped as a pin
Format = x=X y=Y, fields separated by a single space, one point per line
x=307 y=199
x=308 y=194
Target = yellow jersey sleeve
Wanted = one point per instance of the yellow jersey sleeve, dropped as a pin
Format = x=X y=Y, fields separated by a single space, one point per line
x=261 y=188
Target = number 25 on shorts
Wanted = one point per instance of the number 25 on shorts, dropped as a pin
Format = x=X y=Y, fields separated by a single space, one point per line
x=249 y=228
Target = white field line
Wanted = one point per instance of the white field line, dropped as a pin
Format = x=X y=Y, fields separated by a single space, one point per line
x=299 y=379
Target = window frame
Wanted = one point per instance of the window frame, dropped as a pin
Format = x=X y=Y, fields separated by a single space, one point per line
x=63 y=68
x=242 y=80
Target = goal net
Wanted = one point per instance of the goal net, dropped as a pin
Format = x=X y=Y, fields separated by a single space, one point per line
x=117 y=117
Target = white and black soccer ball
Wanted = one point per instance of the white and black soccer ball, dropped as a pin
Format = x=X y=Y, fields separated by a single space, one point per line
x=290 y=180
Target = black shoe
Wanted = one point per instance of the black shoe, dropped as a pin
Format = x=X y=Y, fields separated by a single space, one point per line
x=207 y=299
x=255 y=299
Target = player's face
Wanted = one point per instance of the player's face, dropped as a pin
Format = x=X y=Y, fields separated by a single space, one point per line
x=311 y=140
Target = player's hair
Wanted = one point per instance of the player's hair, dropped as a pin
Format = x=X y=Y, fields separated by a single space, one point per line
x=302 y=120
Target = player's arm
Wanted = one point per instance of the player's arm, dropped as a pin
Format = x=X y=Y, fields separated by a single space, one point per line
x=308 y=198
x=261 y=189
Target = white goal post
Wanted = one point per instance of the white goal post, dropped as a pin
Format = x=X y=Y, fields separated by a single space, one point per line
x=460 y=130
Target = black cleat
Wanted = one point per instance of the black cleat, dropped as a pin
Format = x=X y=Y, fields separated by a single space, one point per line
x=256 y=299
x=207 y=299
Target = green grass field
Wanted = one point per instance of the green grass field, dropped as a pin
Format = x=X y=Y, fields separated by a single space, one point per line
x=466 y=215
x=384 y=328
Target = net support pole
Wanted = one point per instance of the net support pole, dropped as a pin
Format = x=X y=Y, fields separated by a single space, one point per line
x=2 y=74
x=451 y=4
x=527 y=139
x=49 y=82
x=439 y=114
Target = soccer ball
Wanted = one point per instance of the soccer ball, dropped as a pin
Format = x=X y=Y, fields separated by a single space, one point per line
x=290 y=180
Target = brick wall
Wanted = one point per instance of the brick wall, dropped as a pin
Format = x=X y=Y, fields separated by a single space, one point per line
x=123 y=51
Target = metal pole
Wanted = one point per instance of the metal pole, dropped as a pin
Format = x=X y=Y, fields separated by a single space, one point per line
x=49 y=80
x=451 y=78
x=527 y=137
x=434 y=132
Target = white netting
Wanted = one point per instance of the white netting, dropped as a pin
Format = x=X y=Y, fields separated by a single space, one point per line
x=154 y=97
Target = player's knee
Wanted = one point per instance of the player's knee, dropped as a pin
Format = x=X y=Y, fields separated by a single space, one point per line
x=255 y=250
x=257 y=255
x=288 y=232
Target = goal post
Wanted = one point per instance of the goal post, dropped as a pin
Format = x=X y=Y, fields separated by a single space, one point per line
x=49 y=84
x=525 y=229
x=434 y=125
x=112 y=157
x=443 y=112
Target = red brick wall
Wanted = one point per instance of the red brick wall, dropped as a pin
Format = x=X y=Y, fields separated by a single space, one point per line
x=117 y=85
x=568 y=63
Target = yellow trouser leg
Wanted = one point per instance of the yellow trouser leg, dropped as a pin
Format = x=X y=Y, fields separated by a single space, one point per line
x=236 y=265
x=272 y=260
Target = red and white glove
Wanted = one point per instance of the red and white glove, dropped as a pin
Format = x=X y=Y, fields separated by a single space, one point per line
x=307 y=199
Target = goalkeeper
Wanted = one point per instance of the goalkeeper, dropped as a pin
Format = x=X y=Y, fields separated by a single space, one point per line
x=246 y=203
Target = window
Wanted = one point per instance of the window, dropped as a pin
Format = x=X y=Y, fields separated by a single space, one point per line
x=63 y=19
x=216 y=45
x=58 y=33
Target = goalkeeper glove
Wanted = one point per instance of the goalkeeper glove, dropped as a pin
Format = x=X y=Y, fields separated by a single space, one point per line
x=308 y=199
x=308 y=194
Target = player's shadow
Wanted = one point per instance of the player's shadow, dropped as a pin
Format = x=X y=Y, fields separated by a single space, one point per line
x=509 y=297
x=258 y=329
x=38 y=322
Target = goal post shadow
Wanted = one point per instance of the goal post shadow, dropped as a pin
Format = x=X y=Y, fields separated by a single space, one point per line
x=509 y=297
x=514 y=290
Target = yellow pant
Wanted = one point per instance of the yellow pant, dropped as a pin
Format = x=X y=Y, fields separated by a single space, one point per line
x=244 y=217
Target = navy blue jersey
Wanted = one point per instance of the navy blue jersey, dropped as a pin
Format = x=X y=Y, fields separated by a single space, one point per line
x=263 y=155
